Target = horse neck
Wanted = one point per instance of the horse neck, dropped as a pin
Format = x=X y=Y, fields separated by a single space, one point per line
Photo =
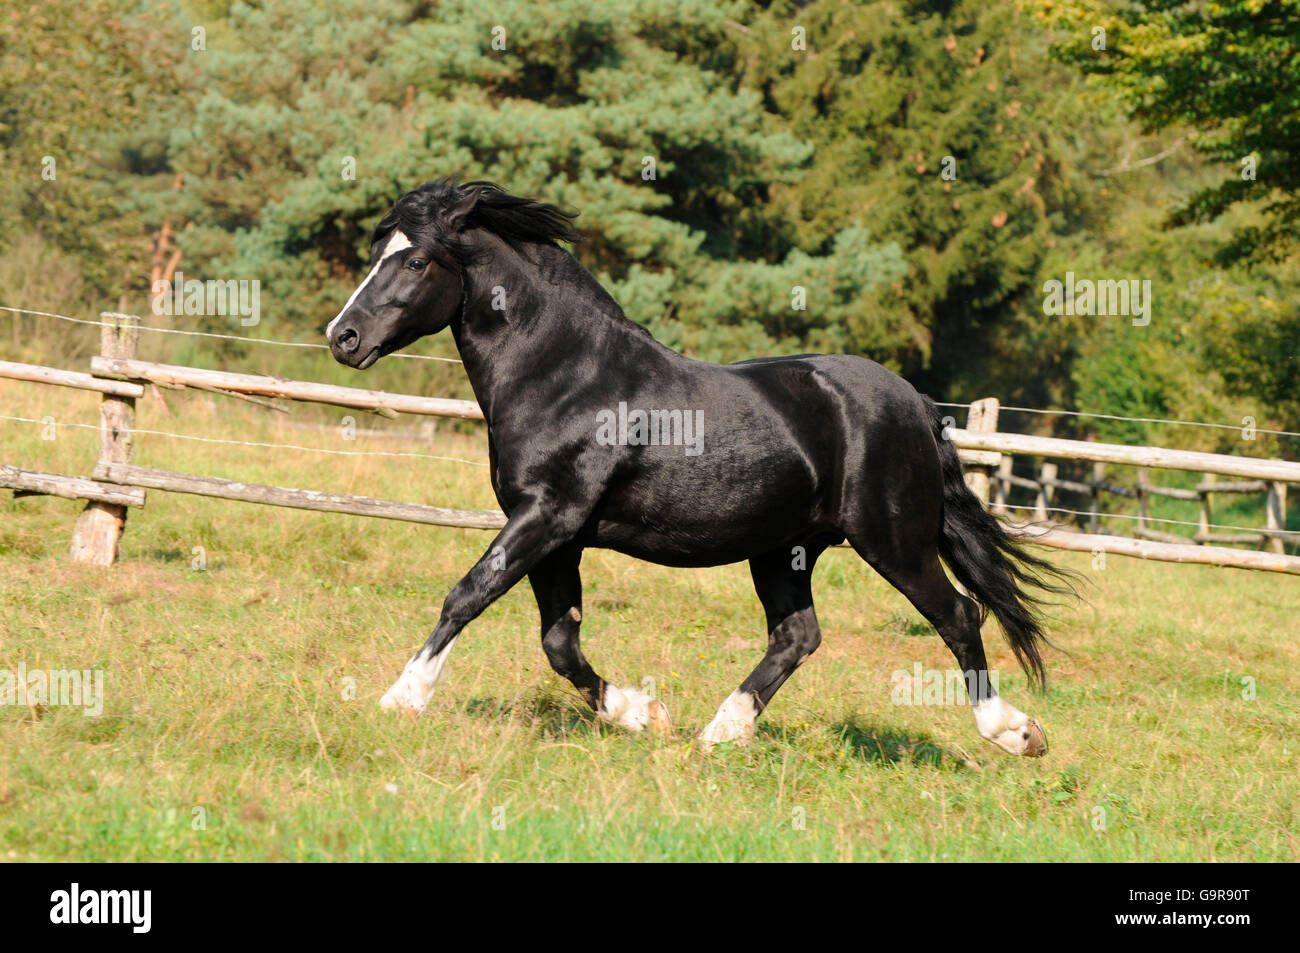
x=554 y=312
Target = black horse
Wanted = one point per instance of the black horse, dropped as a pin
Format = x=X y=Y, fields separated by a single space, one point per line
x=601 y=436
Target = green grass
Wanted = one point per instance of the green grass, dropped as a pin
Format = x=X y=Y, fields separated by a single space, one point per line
x=249 y=691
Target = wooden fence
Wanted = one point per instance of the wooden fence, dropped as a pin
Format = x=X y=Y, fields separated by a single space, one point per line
x=117 y=485
x=992 y=478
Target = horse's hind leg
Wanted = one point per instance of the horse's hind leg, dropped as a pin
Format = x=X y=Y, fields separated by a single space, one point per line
x=917 y=573
x=783 y=581
x=557 y=586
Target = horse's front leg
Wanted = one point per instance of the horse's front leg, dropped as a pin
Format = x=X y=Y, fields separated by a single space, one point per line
x=557 y=584
x=533 y=531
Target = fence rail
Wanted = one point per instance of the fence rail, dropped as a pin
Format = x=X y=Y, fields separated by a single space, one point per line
x=132 y=476
x=49 y=375
x=1266 y=476
x=1158 y=457
x=1163 y=552
x=172 y=375
x=35 y=483
x=987 y=454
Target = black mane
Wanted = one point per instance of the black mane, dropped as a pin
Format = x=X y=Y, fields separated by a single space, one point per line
x=513 y=218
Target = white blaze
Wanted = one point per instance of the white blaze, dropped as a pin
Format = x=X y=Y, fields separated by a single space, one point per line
x=396 y=242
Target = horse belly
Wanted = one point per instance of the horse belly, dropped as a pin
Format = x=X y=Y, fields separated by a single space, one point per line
x=710 y=524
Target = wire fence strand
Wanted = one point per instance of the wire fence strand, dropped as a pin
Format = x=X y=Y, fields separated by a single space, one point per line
x=1149 y=519
x=452 y=360
x=248 y=443
x=1140 y=420
x=213 y=334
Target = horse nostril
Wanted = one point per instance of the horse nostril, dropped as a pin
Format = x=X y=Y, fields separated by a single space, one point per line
x=348 y=340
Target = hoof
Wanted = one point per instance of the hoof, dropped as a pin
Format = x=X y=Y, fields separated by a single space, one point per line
x=658 y=719
x=733 y=722
x=725 y=734
x=634 y=710
x=1035 y=740
x=411 y=692
x=395 y=703
x=1010 y=729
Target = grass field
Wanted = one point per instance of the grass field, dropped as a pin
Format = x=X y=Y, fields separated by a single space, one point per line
x=240 y=717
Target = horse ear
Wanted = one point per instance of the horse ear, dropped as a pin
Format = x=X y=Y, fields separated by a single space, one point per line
x=454 y=217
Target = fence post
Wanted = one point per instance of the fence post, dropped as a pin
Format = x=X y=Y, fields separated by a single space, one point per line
x=981 y=418
x=1045 y=490
x=1206 y=514
x=1094 y=507
x=1276 y=515
x=1003 y=481
x=99 y=527
x=1144 y=478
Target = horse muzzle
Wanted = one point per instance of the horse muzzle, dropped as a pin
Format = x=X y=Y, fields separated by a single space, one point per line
x=348 y=348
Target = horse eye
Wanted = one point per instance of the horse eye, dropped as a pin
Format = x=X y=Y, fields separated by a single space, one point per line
x=416 y=264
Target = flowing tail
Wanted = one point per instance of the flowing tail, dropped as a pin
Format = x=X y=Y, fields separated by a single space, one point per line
x=1001 y=576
